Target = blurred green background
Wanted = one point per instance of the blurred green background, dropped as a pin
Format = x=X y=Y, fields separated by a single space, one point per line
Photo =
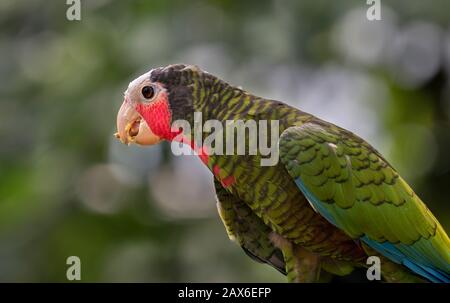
x=67 y=187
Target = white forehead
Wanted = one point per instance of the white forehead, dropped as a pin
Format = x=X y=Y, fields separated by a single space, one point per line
x=138 y=80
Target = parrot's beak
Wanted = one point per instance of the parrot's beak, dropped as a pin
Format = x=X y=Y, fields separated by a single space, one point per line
x=132 y=128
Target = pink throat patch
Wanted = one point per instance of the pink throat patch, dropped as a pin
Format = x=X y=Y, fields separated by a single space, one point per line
x=157 y=115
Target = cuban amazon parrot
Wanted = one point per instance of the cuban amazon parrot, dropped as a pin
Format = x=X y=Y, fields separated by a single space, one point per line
x=329 y=203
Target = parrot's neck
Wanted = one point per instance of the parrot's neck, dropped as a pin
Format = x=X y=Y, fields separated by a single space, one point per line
x=215 y=104
x=227 y=104
x=223 y=102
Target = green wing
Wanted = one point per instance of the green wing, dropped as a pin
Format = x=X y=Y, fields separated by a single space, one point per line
x=247 y=229
x=353 y=187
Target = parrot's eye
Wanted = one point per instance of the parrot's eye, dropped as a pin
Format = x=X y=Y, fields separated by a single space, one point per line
x=148 y=92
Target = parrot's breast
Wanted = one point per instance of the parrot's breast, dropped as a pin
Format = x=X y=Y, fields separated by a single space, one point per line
x=275 y=198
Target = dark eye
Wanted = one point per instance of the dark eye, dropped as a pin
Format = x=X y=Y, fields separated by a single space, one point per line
x=148 y=92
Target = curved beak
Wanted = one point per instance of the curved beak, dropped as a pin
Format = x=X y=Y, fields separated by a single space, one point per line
x=132 y=128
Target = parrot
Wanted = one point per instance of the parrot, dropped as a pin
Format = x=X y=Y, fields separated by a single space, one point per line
x=329 y=203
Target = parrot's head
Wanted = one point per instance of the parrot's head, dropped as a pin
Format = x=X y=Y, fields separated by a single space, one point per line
x=154 y=100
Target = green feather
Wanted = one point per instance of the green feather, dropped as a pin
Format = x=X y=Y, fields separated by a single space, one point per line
x=374 y=201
